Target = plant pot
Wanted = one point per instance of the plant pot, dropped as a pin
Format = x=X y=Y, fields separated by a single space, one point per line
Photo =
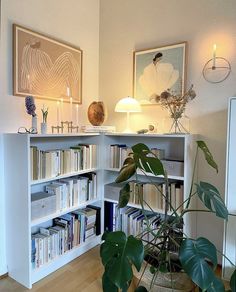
x=44 y=128
x=165 y=282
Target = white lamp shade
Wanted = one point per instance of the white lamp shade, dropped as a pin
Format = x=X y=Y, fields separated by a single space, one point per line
x=128 y=104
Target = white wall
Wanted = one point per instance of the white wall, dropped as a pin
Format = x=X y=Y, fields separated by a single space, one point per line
x=128 y=25
x=74 y=21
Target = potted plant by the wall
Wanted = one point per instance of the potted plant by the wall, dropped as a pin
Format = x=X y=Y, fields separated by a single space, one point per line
x=161 y=268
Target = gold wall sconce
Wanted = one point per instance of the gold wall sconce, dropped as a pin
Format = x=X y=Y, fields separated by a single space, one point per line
x=216 y=69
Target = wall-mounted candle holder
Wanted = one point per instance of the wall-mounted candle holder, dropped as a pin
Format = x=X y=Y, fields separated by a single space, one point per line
x=65 y=127
x=216 y=69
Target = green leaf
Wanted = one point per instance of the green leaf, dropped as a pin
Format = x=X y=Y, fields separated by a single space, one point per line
x=193 y=255
x=124 y=196
x=208 y=156
x=127 y=171
x=119 y=253
x=233 y=281
x=216 y=286
x=146 y=161
x=140 y=289
x=107 y=284
x=212 y=199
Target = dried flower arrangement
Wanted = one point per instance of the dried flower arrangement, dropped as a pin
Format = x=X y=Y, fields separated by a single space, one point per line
x=176 y=104
x=30 y=105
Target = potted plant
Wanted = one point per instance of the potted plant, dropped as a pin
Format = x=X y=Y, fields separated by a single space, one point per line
x=195 y=258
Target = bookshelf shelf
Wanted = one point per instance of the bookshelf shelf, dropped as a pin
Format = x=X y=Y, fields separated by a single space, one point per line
x=174 y=177
x=40 y=273
x=45 y=180
x=57 y=214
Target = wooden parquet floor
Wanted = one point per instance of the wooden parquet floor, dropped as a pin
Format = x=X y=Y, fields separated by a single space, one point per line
x=81 y=275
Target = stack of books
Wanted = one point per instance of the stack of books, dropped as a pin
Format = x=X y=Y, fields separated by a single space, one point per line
x=67 y=232
x=98 y=129
x=119 y=152
x=52 y=163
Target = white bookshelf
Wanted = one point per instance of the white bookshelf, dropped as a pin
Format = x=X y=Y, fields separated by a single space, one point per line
x=18 y=201
x=179 y=147
x=19 y=188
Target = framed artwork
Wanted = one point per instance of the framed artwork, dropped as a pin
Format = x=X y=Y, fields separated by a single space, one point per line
x=45 y=68
x=159 y=69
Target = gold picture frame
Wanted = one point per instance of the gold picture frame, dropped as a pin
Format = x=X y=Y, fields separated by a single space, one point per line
x=45 y=67
x=158 y=69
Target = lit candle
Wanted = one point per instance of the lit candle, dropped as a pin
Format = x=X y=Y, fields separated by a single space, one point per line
x=58 y=114
x=71 y=110
x=77 y=115
x=68 y=91
x=214 y=56
x=61 y=109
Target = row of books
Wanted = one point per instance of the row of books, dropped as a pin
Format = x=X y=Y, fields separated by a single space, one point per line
x=71 y=192
x=66 y=233
x=63 y=194
x=134 y=222
x=119 y=152
x=152 y=194
x=52 y=163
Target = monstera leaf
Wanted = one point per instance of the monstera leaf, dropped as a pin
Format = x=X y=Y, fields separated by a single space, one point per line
x=211 y=198
x=233 y=281
x=127 y=171
x=118 y=254
x=145 y=160
x=216 y=285
x=208 y=156
x=124 y=196
x=193 y=255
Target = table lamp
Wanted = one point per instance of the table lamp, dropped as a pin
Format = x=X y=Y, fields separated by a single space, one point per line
x=128 y=105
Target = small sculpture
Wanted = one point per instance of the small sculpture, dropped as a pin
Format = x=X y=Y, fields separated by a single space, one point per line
x=96 y=113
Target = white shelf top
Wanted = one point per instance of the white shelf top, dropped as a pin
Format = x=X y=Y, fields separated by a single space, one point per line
x=149 y=174
x=82 y=134
x=148 y=135
x=45 y=180
x=60 y=213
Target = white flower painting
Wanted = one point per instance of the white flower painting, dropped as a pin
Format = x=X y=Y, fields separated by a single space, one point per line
x=157 y=70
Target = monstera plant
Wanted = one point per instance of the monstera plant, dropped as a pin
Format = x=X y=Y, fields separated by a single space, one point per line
x=122 y=254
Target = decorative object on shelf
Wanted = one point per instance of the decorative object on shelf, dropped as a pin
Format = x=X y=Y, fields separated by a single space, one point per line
x=128 y=105
x=31 y=108
x=98 y=129
x=152 y=127
x=44 y=123
x=165 y=252
x=216 y=69
x=63 y=126
x=142 y=131
x=176 y=104
x=96 y=113
x=45 y=67
x=156 y=70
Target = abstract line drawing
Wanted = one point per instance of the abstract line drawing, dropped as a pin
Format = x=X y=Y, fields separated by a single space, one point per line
x=46 y=68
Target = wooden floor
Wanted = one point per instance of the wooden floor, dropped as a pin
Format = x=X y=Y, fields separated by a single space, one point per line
x=81 y=275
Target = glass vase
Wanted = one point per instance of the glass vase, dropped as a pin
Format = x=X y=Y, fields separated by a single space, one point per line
x=179 y=125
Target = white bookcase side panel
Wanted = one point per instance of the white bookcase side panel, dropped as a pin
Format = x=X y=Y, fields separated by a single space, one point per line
x=17 y=174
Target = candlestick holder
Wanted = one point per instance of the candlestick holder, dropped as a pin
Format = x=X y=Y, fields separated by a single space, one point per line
x=216 y=70
x=66 y=125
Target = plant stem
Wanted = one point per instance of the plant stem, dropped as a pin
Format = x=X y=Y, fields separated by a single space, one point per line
x=191 y=188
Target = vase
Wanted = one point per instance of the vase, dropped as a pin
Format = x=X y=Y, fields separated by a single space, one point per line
x=180 y=125
x=34 y=123
x=43 y=128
